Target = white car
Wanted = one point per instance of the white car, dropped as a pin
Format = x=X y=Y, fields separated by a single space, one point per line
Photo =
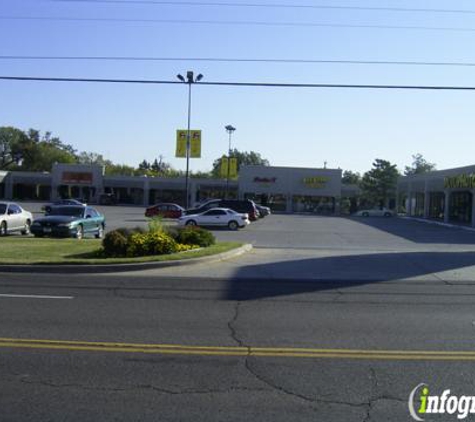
x=216 y=217
x=375 y=212
x=14 y=218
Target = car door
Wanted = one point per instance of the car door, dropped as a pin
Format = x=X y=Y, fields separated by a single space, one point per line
x=15 y=221
x=209 y=218
x=216 y=217
x=90 y=223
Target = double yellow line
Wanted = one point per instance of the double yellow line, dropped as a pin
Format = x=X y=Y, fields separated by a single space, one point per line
x=175 y=349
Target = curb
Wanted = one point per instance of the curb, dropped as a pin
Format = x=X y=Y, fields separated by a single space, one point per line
x=113 y=268
x=439 y=223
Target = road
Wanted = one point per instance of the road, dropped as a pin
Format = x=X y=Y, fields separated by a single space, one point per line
x=340 y=325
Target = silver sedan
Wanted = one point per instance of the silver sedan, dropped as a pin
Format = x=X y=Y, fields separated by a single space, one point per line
x=14 y=218
x=375 y=212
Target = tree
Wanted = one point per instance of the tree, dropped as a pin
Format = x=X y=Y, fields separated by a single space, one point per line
x=14 y=143
x=351 y=178
x=30 y=151
x=44 y=151
x=419 y=165
x=243 y=158
x=144 y=165
x=91 y=158
x=379 y=184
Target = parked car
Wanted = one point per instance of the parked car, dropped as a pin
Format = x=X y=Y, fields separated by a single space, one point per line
x=375 y=212
x=68 y=201
x=70 y=221
x=14 y=218
x=165 y=210
x=263 y=211
x=224 y=217
x=240 y=206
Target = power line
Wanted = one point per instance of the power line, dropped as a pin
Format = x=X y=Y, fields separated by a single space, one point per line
x=271 y=5
x=238 y=60
x=239 y=23
x=243 y=84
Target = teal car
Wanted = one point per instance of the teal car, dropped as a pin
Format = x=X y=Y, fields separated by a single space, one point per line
x=70 y=221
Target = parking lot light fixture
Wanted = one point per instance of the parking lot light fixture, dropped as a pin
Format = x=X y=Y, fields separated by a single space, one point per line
x=190 y=80
x=230 y=130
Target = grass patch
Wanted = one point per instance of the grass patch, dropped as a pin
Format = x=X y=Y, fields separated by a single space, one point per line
x=28 y=250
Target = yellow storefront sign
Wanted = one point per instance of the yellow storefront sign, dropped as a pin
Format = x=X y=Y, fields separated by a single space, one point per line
x=195 y=143
x=232 y=167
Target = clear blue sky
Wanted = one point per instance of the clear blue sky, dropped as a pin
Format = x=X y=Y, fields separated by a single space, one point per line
x=290 y=127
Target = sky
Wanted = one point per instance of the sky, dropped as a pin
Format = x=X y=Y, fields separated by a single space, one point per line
x=294 y=127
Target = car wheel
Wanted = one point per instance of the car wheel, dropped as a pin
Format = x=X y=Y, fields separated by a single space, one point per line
x=80 y=232
x=100 y=232
x=3 y=228
x=233 y=225
x=365 y=214
x=190 y=223
x=26 y=230
x=387 y=214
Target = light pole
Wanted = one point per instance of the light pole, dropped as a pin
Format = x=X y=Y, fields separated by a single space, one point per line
x=230 y=129
x=190 y=79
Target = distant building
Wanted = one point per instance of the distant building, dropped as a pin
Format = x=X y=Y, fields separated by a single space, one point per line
x=445 y=195
x=285 y=189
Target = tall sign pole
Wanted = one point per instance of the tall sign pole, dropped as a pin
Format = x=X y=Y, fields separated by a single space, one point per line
x=189 y=80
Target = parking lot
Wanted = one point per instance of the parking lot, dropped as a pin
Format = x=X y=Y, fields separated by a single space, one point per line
x=307 y=232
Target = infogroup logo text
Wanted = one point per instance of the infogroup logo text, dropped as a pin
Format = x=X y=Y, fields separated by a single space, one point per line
x=421 y=404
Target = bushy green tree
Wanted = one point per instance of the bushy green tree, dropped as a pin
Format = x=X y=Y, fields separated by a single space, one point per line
x=419 y=166
x=379 y=184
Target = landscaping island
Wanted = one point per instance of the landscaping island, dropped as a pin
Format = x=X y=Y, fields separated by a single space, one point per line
x=120 y=246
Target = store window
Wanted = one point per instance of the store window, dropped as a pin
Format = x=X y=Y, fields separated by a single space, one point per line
x=460 y=207
x=418 y=210
x=437 y=205
x=313 y=204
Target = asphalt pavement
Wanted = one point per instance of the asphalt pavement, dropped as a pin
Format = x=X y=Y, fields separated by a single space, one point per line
x=331 y=319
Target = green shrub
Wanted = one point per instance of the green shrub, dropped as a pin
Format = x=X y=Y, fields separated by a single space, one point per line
x=160 y=243
x=151 y=243
x=127 y=232
x=114 y=244
x=156 y=224
x=193 y=235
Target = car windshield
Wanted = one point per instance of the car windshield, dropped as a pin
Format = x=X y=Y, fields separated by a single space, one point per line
x=3 y=208
x=67 y=211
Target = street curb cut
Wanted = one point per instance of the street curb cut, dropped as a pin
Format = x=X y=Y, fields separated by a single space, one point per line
x=113 y=268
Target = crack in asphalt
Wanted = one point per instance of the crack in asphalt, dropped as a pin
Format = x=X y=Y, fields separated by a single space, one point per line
x=154 y=388
x=232 y=328
x=273 y=386
x=375 y=399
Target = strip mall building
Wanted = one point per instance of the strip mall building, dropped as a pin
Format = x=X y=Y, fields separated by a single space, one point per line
x=282 y=188
x=446 y=195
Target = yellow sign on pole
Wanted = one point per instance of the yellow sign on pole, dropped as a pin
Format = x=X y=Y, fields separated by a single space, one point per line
x=233 y=168
x=195 y=143
x=232 y=162
x=224 y=167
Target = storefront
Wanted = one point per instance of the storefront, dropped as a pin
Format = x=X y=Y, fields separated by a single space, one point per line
x=446 y=195
x=283 y=189
x=290 y=189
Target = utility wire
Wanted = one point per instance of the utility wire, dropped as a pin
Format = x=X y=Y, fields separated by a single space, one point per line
x=243 y=84
x=240 y=23
x=238 y=60
x=271 y=6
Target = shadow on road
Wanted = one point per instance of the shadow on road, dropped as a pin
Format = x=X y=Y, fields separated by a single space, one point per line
x=319 y=274
x=418 y=232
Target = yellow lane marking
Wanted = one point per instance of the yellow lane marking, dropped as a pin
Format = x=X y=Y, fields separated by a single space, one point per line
x=177 y=349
